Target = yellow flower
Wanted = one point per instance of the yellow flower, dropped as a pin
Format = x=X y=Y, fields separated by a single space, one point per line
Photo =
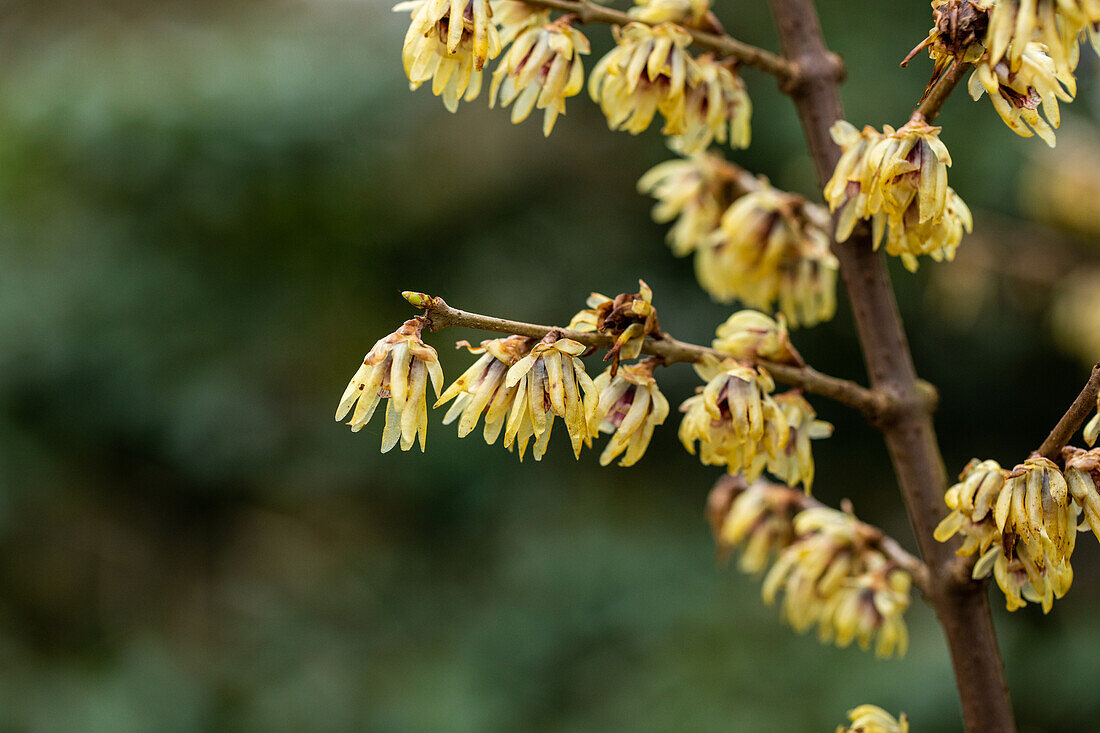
x=1016 y=95
x=629 y=317
x=794 y=462
x=551 y=381
x=750 y=335
x=898 y=180
x=542 y=68
x=735 y=421
x=630 y=407
x=1013 y=24
x=692 y=190
x=397 y=367
x=684 y=12
x=1083 y=479
x=971 y=502
x=451 y=54
x=832 y=577
x=647 y=72
x=772 y=249
x=716 y=108
x=481 y=389
x=873 y=719
x=757 y=518
x=513 y=17
x=1092 y=429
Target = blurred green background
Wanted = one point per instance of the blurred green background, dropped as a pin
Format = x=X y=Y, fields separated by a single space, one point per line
x=207 y=210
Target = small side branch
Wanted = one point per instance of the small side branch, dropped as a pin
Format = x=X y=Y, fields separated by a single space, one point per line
x=670 y=350
x=589 y=12
x=886 y=544
x=934 y=100
x=1072 y=420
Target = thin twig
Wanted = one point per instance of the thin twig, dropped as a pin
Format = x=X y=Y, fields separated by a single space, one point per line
x=933 y=102
x=670 y=350
x=1075 y=415
x=726 y=488
x=589 y=12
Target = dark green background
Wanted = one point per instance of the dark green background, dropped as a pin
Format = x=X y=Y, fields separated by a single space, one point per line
x=207 y=210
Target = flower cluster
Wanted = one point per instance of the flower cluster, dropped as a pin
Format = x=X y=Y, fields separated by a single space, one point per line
x=873 y=719
x=694 y=191
x=1016 y=94
x=690 y=13
x=898 y=180
x=630 y=407
x=541 y=69
x=629 y=317
x=738 y=424
x=716 y=108
x=481 y=390
x=397 y=367
x=750 y=335
x=1023 y=523
x=772 y=249
x=827 y=564
x=1057 y=24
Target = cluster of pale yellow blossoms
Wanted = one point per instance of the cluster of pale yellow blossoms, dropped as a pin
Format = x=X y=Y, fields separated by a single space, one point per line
x=826 y=564
x=1024 y=53
x=735 y=419
x=873 y=719
x=898 y=180
x=1022 y=524
x=629 y=318
x=397 y=367
x=764 y=247
x=650 y=70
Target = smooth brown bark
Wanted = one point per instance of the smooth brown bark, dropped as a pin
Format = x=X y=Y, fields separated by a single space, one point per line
x=961 y=605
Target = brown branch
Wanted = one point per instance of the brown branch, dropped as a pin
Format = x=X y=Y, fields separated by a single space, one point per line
x=725 y=488
x=934 y=100
x=1071 y=421
x=962 y=607
x=670 y=350
x=725 y=46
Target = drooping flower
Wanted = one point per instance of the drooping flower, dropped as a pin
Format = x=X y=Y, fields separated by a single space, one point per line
x=647 y=72
x=734 y=419
x=749 y=335
x=481 y=390
x=971 y=502
x=692 y=189
x=398 y=368
x=629 y=317
x=550 y=380
x=898 y=180
x=1016 y=95
x=540 y=70
x=873 y=719
x=794 y=462
x=683 y=12
x=1058 y=24
x=716 y=108
x=1083 y=479
x=772 y=250
x=757 y=518
x=833 y=577
x=513 y=17
x=630 y=407
x=450 y=54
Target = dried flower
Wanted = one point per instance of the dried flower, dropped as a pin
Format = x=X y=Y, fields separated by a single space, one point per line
x=629 y=317
x=683 y=12
x=647 y=72
x=397 y=367
x=481 y=389
x=691 y=189
x=716 y=108
x=833 y=577
x=771 y=249
x=957 y=34
x=551 y=381
x=873 y=719
x=452 y=55
x=750 y=335
x=734 y=419
x=794 y=462
x=630 y=407
x=1016 y=95
x=541 y=69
